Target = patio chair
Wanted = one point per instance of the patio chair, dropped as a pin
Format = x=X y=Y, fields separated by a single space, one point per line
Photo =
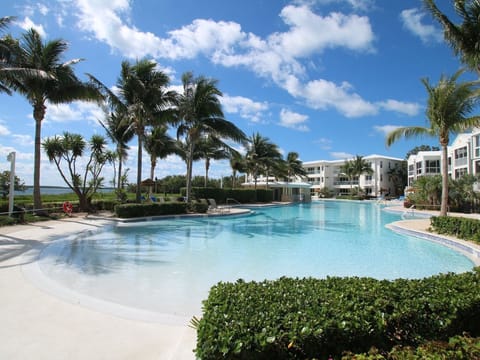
x=213 y=207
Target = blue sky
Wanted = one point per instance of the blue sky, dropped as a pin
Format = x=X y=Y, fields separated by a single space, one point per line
x=324 y=78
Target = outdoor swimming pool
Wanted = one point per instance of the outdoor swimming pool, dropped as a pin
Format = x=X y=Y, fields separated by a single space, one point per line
x=168 y=266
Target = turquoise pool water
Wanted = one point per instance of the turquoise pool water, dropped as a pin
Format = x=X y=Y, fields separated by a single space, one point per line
x=168 y=266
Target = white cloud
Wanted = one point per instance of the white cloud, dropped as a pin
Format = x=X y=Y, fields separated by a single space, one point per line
x=310 y=33
x=410 y=109
x=323 y=94
x=412 y=21
x=4 y=130
x=28 y=24
x=325 y=144
x=276 y=57
x=293 y=120
x=77 y=111
x=247 y=108
x=341 y=155
x=23 y=140
x=385 y=129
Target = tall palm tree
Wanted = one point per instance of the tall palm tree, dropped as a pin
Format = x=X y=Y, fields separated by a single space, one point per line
x=361 y=166
x=294 y=166
x=144 y=99
x=238 y=164
x=464 y=38
x=50 y=80
x=6 y=51
x=120 y=134
x=158 y=144
x=200 y=113
x=449 y=104
x=212 y=148
x=349 y=171
x=260 y=154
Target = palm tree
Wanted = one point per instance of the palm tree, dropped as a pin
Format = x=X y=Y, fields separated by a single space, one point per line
x=6 y=50
x=65 y=151
x=144 y=99
x=464 y=38
x=49 y=80
x=260 y=151
x=238 y=164
x=448 y=106
x=158 y=144
x=349 y=171
x=212 y=148
x=199 y=114
x=120 y=134
x=294 y=166
x=361 y=166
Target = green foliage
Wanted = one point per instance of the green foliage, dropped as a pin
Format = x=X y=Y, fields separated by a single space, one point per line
x=5 y=183
x=150 y=209
x=457 y=348
x=417 y=149
x=198 y=207
x=311 y=318
x=463 y=228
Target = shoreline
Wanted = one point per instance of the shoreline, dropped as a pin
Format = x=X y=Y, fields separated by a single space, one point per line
x=37 y=324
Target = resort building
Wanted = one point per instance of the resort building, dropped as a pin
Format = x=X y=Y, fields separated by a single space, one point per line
x=327 y=175
x=463 y=158
x=295 y=190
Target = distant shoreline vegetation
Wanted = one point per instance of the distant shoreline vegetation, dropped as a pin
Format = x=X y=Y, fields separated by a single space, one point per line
x=51 y=190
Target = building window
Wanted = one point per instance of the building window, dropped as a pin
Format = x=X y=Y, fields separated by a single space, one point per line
x=461 y=156
x=432 y=166
x=461 y=153
x=460 y=172
x=381 y=177
x=411 y=170
x=381 y=164
x=389 y=165
x=368 y=177
x=419 y=168
x=477 y=145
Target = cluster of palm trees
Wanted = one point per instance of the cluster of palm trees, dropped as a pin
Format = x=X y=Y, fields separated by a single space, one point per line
x=352 y=169
x=141 y=106
x=451 y=102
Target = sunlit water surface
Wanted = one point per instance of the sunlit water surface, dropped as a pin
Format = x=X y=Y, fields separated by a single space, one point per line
x=168 y=266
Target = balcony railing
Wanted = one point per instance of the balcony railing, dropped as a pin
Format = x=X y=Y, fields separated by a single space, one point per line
x=353 y=182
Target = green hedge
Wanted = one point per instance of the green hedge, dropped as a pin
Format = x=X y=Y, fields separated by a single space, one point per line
x=198 y=207
x=313 y=318
x=463 y=228
x=153 y=209
x=457 y=348
x=243 y=196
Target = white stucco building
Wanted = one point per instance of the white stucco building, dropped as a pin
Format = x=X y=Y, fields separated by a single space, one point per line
x=326 y=174
x=463 y=158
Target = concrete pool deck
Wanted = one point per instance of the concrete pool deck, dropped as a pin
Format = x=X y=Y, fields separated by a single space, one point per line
x=38 y=325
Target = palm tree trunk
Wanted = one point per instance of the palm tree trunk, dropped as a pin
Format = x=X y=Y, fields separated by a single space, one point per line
x=207 y=166
x=152 y=172
x=38 y=115
x=139 y=170
x=189 y=171
x=119 y=184
x=444 y=203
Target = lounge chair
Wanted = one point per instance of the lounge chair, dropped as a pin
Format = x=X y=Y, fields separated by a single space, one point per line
x=213 y=207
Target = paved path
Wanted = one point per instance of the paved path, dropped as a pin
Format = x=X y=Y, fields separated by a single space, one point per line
x=37 y=325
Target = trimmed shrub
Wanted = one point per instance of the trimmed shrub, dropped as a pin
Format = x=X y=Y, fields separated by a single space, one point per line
x=463 y=228
x=198 y=207
x=313 y=318
x=153 y=209
x=457 y=348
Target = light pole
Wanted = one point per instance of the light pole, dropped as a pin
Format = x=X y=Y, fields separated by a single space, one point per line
x=11 y=158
